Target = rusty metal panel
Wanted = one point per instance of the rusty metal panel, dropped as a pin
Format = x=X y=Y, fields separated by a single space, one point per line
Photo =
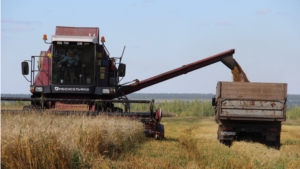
x=252 y=104
x=72 y=107
x=251 y=101
x=218 y=91
x=259 y=91
x=243 y=109
x=273 y=114
x=77 y=31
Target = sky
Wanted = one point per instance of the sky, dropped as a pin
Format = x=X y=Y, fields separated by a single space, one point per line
x=161 y=35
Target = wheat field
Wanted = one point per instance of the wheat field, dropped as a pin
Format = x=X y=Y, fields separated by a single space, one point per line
x=44 y=140
x=49 y=141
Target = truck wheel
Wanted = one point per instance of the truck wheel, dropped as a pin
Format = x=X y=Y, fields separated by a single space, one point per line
x=226 y=142
x=117 y=109
x=274 y=144
x=31 y=108
x=218 y=133
x=277 y=143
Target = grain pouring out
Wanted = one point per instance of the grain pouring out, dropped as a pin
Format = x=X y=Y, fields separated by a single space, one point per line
x=238 y=74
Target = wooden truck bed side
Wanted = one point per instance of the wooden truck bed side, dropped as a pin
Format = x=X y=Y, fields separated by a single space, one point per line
x=251 y=101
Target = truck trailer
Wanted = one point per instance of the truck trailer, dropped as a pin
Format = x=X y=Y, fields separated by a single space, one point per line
x=256 y=109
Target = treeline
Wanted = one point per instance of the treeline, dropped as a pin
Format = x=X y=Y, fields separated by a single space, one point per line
x=293 y=113
x=148 y=96
x=292 y=99
x=171 y=96
x=180 y=108
x=197 y=108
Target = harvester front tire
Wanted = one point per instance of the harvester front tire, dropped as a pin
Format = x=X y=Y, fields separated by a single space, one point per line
x=31 y=108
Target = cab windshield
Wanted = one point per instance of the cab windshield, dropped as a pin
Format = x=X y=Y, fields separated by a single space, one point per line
x=73 y=63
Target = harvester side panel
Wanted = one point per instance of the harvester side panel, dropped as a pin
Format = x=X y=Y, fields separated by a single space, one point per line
x=42 y=78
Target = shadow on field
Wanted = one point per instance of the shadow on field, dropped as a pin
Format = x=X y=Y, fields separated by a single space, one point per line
x=170 y=139
x=250 y=137
x=257 y=138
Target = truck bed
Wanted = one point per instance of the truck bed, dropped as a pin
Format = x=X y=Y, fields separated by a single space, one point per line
x=251 y=101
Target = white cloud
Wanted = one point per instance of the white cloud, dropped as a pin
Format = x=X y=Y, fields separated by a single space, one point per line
x=18 y=28
x=11 y=21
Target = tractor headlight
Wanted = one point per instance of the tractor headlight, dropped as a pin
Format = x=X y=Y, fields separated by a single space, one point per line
x=31 y=89
x=38 y=89
x=106 y=91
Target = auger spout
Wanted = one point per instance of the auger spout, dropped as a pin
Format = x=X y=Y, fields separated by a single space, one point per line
x=225 y=57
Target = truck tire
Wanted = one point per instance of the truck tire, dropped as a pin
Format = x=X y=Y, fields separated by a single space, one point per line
x=226 y=142
x=218 y=135
x=31 y=108
x=277 y=143
x=274 y=144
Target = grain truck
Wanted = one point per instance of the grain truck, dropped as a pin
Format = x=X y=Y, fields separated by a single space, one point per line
x=256 y=109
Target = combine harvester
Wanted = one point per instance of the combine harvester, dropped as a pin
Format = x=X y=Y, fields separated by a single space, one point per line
x=77 y=74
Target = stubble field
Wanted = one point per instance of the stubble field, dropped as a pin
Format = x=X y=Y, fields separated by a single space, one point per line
x=49 y=141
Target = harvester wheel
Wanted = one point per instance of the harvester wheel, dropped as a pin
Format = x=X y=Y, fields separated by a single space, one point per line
x=117 y=109
x=31 y=108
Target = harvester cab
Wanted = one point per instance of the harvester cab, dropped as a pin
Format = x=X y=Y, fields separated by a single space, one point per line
x=75 y=63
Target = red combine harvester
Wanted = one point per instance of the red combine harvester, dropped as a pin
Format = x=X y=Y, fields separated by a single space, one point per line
x=77 y=74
